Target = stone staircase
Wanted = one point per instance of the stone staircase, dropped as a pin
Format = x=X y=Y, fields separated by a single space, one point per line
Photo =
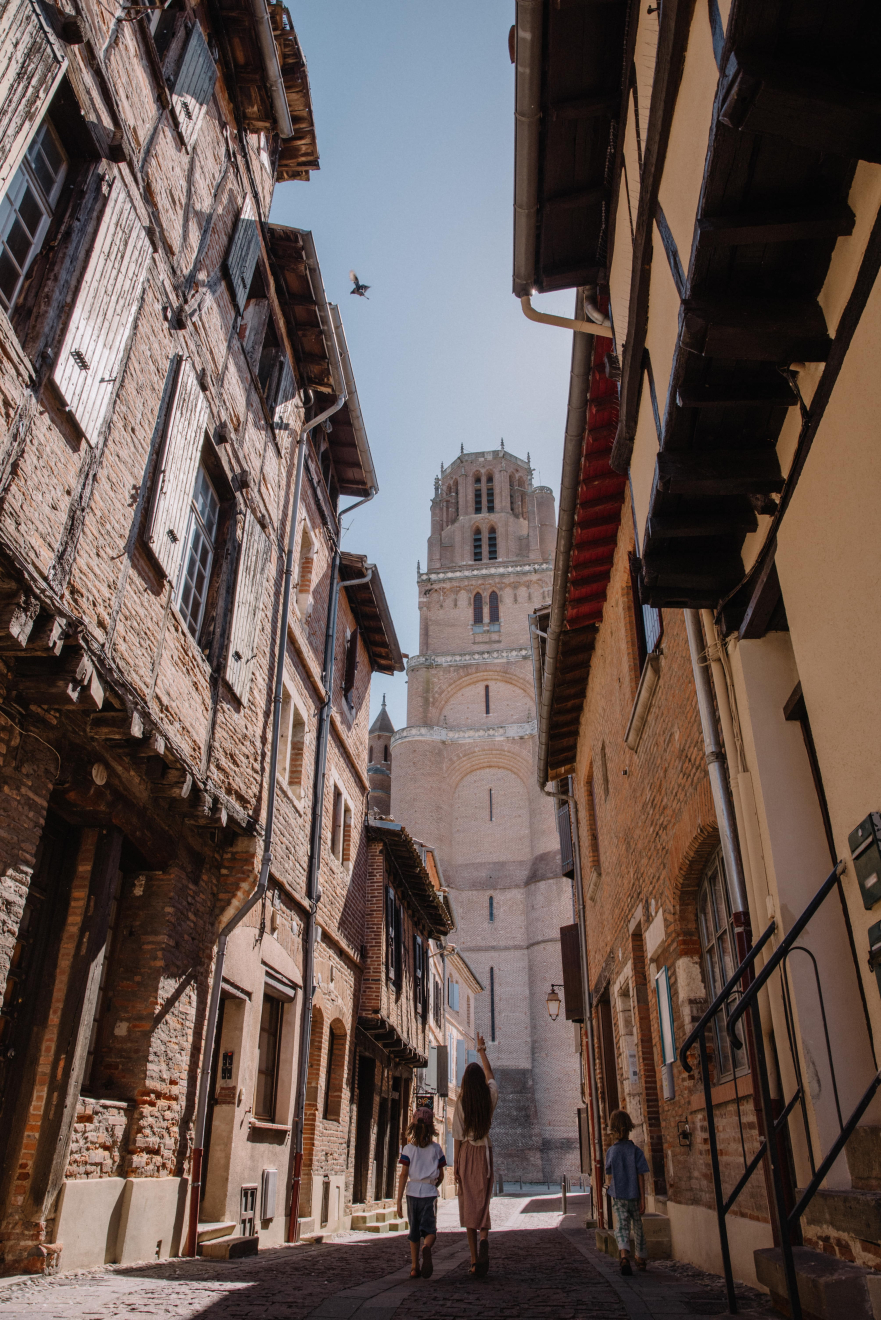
x=380 y=1218
x=219 y=1241
x=839 y=1267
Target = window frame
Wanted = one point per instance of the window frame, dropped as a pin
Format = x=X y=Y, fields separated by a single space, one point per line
x=494 y=607
x=489 y=486
x=477 y=611
x=196 y=526
x=718 y=969
x=477 y=545
x=492 y=545
x=27 y=178
x=273 y=1071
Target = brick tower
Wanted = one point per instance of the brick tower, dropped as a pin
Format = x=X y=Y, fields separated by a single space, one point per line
x=464 y=780
x=379 y=764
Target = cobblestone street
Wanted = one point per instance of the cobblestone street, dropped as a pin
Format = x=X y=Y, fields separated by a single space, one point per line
x=543 y=1267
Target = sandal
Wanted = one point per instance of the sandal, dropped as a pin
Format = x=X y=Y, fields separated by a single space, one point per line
x=640 y=1263
x=427 y=1263
x=482 y=1267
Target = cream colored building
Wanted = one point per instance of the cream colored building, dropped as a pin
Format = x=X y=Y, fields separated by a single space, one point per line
x=464 y=778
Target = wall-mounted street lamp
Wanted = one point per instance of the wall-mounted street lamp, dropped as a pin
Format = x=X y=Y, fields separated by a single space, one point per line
x=553 y=1002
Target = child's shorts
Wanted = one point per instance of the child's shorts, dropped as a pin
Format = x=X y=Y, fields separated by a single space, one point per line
x=422 y=1213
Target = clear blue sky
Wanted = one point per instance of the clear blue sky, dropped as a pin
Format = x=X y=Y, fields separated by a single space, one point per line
x=414 y=111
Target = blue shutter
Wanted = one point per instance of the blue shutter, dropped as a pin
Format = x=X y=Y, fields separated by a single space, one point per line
x=451 y=1157
x=472 y=1056
x=460 y=1061
x=243 y=252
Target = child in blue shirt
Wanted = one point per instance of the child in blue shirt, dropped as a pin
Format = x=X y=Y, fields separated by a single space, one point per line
x=628 y=1166
x=422 y=1167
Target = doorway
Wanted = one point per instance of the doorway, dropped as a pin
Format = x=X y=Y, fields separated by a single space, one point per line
x=366 y=1087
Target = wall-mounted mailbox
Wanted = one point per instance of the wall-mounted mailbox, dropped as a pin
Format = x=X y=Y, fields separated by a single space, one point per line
x=865 y=849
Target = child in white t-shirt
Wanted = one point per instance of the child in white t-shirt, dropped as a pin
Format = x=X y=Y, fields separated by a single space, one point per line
x=422 y=1166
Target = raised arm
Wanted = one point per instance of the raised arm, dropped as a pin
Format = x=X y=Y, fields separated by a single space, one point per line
x=481 y=1054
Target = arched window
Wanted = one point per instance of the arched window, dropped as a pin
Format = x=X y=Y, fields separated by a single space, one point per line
x=370 y=757
x=478 y=607
x=493 y=607
x=491 y=544
x=719 y=956
x=490 y=494
x=478 y=494
x=385 y=752
x=478 y=545
x=336 y=1067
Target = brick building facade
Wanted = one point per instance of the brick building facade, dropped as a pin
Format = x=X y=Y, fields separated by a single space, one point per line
x=471 y=729
x=166 y=356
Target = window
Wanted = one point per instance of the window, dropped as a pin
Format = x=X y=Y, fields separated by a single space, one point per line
x=336 y=825
x=305 y=564
x=390 y=960
x=248 y=1211
x=198 y=557
x=490 y=497
x=437 y=1007
x=253 y=571
x=665 y=1016
x=478 y=545
x=492 y=912
x=291 y=745
x=478 y=495
x=478 y=609
x=468 y=1010
x=420 y=990
x=493 y=608
x=648 y=621
x=490 y=804
x=336 y=1067
x=370 y=754
x=385 y=753
x=604 y=770
x=486 y=697
x=351 y=668
x=27 y=209
x=267 y=1059
x=719 y=956
x=492 y=1003
x=453 y=994
x=491 y=544
x=346 y=857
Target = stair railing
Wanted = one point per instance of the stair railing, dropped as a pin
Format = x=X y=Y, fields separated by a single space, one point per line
x=739 y=997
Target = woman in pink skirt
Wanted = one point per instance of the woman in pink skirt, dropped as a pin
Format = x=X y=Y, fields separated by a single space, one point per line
x=478 y=1097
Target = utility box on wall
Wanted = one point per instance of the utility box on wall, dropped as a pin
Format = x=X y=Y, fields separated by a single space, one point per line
x=865 y=849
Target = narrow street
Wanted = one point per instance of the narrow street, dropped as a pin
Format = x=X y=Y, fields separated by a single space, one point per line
x=544 y=1266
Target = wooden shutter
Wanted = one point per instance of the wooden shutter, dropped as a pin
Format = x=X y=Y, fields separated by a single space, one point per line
x=193 y=86
x=32 y=61
x=390 y=932
x=243 y=252
x=176 y=476
x=351 y=663
x=253 y=565
x=573 y=998
x=285 y=398
x=417 y=971
x=91 y=355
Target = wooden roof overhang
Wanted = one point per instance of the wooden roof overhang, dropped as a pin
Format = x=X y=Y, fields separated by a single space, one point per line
x=568 y=68
x=297 y=155
x=372 y=614
x=796 y=107
x=411 y=874
x=310 y=323
x=388 y=1038
x=600 y=499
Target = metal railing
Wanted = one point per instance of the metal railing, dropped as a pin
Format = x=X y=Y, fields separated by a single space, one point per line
x=739 y=997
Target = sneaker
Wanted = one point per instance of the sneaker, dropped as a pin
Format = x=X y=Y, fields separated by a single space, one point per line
x=625 y=1266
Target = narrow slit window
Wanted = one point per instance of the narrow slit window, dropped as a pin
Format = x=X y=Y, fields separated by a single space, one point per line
x=478 y=496
x=490 y=804
x=478 y=545
x=478 y=607
x=490 y=494
x=494 y=607
x=486 y=698
x=492 y=910
x=492 y=1003
x=491 y=544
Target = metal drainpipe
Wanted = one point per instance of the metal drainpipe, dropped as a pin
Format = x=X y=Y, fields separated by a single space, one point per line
x=260 y=890
x=717 y=770
x=596 y=1130
x=313 y=893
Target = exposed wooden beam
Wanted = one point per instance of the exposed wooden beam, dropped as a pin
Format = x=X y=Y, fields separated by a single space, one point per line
x=709 y=575
x=757 y=329
x=739 y=393
x=17 y=618
x=58 y=682
x=677 y=526
x=763 y=602
x=578 y=197
x=585 y=107
x=116 y=725
x=797 y=224
x=798 y=103
x=719 y=472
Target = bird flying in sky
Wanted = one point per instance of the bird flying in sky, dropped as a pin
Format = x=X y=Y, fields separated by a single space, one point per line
x=360 y=289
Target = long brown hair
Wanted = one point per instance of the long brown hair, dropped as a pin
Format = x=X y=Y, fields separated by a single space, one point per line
x=477 y=1109
x=421 y=1130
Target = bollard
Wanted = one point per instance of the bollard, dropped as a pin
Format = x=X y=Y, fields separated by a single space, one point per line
x=563 y=1193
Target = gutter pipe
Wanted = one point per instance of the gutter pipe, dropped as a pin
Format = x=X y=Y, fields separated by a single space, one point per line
x=313 y=891
x=527 y=128
x=588 y=327
x=266 y=862
x=272 y=69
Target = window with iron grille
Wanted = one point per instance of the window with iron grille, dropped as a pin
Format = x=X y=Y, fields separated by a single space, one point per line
x=478 y=545
x=719 y=951
x=198 y=557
